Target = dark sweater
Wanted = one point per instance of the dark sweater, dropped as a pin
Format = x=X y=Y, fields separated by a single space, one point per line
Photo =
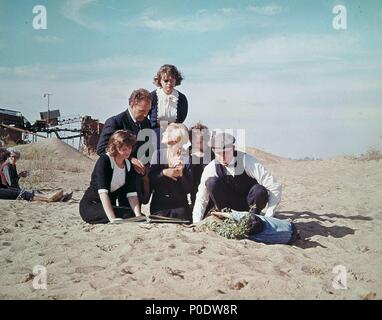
x=118 y=122
x=101 y=179
x=182 y=109
x=10 y=170
x=167 y=193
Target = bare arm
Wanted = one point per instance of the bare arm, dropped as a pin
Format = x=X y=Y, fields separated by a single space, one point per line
x=7 y=175
x=135 y=205
x=106 y=203
x=221 y=215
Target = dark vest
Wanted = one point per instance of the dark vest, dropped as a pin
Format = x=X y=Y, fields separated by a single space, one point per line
x=13 y=176
x=241 y=182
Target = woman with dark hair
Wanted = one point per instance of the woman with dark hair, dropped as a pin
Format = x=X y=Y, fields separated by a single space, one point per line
x=168 y=104
x=9 y=174
x=111 y=179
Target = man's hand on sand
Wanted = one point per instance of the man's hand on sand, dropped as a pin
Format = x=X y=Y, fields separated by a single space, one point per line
x=221 y=215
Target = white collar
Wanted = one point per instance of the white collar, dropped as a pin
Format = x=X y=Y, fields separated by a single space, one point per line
x=173 y=96
x=131 y=115
x=113 y=164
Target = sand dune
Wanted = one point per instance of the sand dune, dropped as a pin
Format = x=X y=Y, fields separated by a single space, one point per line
x=335 y=203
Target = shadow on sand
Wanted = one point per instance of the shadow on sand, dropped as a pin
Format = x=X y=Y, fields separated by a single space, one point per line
x=311 y=228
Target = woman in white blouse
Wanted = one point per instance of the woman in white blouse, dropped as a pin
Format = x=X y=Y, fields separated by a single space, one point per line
x=112 y=177
x=168 y=104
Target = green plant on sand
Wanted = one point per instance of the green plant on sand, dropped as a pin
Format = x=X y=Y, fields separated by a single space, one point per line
x=231 y=228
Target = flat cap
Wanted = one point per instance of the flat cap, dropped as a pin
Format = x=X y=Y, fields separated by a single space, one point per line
x=222 y=141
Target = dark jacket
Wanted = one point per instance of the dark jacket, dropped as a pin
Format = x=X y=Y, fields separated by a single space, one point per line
x=167 y=193
x=101 y=179
x=12 y=174
x=181 y=111
x=118 y=122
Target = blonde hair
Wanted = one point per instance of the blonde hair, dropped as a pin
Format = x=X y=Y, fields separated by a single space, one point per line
x=119 y=139
x=176 y=131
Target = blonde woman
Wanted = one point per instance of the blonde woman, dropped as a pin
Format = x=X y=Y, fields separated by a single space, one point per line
x=171 y=175
x=112 y=178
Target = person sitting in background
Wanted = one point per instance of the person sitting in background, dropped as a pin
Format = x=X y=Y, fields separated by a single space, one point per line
x=171 y=175
x=10 y=193
x=112 y=177
x=10 y=177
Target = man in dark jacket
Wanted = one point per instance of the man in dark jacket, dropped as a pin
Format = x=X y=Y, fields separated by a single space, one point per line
x=133 y=119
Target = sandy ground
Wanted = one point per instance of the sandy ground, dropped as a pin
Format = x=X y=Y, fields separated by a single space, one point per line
x=336 y=204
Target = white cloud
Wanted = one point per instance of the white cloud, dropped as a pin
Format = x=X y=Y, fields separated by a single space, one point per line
x=142 y=67
x=99 y=99
x=71 y=10
x=202 y=11
x=281 y=49
x=317 y=117
x=49 y=39
x=201 y=21
x=269 y=10
x=228 y=11
x=27 y=71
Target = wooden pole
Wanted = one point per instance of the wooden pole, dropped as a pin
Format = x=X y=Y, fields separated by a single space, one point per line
x=21 y=130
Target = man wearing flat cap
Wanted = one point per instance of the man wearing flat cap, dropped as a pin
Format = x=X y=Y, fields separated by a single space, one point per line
x=235 y=180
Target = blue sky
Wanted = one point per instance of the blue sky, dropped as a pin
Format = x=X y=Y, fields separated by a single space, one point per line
x=277 y=69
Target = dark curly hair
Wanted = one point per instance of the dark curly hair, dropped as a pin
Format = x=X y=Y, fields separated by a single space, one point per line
x=4 y=154
x=168 y=70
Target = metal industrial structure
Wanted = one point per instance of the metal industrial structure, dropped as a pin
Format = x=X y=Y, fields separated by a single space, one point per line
x=16 y=129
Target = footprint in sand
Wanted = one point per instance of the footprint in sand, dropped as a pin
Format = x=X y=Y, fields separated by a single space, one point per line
x=237 y=285
x=4 y=230
x=88 y=269
x=312 y=270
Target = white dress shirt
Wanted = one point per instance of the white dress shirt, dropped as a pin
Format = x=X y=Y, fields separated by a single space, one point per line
x=119 y=177
x=254 y=169
x=167 y=105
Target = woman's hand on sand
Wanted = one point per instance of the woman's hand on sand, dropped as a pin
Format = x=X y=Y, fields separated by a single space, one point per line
x=116 y=220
